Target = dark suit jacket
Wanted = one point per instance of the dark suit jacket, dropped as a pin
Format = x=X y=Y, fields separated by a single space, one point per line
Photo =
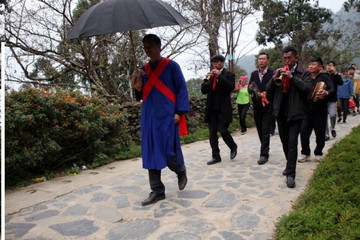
x=221 y=97
x=255 y=78
x=300 y=88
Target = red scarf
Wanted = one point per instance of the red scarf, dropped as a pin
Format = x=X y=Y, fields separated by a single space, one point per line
x=286 y=80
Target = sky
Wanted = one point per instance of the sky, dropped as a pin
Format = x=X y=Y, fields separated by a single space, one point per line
x=334 y=5
x=249 y=31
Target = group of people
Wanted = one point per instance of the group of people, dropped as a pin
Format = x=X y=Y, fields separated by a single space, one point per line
x=298 y=99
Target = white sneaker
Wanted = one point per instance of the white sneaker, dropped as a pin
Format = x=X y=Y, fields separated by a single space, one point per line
x=303 y=158
x=318 y=158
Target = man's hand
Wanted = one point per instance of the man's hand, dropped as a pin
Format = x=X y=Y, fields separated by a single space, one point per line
x=177 y=118
x=136 y=79
x=264 y=100
x=286 y=73
x=321 y=94
x=216 y=71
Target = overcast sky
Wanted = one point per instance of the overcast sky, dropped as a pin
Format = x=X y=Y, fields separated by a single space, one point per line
x=334 y=5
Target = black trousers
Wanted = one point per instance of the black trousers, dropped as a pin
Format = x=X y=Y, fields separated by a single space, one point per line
x=156 y=184
x=215 y=125
x=317 y=121
x=289 y=133
x=242 y=109
x=264 y=121
x=356 y=99
x=343 y=107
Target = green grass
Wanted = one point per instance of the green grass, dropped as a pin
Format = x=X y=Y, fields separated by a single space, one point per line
x=330 y=206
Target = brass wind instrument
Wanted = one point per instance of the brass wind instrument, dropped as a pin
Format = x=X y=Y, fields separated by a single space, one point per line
x=207 y=79
x=278 y=81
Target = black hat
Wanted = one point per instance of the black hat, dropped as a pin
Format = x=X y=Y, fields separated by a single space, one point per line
x=217 y=57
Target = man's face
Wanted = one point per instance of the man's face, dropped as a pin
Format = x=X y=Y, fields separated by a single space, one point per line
x=151 y=49
x=289 y=59
x=330 y=68
x=315 y=67
x=263 y=61
x=351 y=72
x=218 y=64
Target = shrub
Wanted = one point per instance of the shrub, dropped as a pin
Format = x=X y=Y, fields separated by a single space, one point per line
x=49 y=129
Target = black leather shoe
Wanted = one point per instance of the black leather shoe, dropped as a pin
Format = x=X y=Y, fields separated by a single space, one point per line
x=284 y=172
x=153 y=198
x=263 y=160
x=339 y=120
x=327 y=138
x=182 y=180
x=333 y=133
x=213 y=161
x=290 y=181
x=233 y=152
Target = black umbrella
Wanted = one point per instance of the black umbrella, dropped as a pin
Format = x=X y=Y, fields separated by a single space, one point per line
x=112 y=16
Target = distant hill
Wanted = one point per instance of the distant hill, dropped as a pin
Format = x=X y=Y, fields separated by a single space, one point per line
x=247 y=62
x=349 y=23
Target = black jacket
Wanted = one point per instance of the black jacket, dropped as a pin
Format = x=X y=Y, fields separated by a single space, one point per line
x=255 y=78
x=300 y=87
x=321 y=104
x=220 y=99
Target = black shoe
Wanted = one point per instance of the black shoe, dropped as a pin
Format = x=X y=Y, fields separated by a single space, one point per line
x=290 y=181
x=284 y=172
x=233 y=152
x=263 y=160
x=182 y=180
x=339 y=120
x=153 y=198
x=327 y=138
x=213 y=161
x=344 y=121
x=333 y=133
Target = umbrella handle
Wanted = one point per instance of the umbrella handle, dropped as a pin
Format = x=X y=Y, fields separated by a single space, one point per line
x=133 y=49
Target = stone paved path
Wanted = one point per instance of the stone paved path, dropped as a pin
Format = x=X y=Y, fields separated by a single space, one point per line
x=233 y=200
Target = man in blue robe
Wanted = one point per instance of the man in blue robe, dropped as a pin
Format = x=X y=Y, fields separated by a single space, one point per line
x=165 y=100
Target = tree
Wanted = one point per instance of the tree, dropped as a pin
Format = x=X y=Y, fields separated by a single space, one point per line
x=194 y=86
x=295 y=22
x=352 y=3
x=220 y=24
x=275 y=56
x=38 y=29
x=235 y=13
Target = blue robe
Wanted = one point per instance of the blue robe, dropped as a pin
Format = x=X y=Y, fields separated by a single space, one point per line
x=160 y=140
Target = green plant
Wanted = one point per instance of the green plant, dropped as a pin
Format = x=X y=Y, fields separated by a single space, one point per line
x=329 y=208
x=52 y=129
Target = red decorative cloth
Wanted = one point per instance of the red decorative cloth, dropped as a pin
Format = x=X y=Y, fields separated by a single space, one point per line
x=154 y=81
x=214 y=83
x=264 y=100
x=286 y=80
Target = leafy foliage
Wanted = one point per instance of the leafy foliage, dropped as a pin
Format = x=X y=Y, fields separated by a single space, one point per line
x=329 y=208
x=50 y=129
x=295 y=22
x=352 y=3
x=194 y=87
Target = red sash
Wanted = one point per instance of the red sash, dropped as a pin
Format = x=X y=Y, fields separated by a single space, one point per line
x=154 y=81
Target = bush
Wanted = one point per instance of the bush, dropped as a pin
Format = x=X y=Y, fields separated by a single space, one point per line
x=51 y=129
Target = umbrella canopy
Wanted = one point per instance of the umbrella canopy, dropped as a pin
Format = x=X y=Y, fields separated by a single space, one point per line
x=112 y=16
